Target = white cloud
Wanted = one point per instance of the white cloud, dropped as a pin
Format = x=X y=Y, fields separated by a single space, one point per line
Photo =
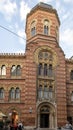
x=24 y=9
x=45 y=1
x=21 y=51
x=60 y=8
x=7 y=8
x=67 y=37
x=22 y=35
x=66 y=42
x=66 y=15
x=67 y=1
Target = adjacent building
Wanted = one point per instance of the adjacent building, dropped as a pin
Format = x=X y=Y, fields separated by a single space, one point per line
x=37 y=87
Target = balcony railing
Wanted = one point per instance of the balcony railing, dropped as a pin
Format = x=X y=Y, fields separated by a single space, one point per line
x=46 y=95
x=46 y=73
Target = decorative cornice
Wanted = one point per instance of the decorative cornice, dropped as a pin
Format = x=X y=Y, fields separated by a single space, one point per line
x=69 y=60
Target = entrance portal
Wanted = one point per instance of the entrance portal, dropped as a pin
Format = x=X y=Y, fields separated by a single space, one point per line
x=44 y=120
x=44 y=116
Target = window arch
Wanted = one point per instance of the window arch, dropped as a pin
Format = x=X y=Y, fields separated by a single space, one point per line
x=33 y=28
x=1 y=93
x=71 y=75
x=12 y=93
x=17 y=93
x=13 y=70
x=3 y=70
x=46 y=27
x=18 y=70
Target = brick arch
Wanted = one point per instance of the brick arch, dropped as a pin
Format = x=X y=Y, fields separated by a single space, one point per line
x=49 y=49
x=52 y=106
x=9 y=110
x=52 y=114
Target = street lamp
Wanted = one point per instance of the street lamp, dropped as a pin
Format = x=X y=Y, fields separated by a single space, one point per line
x=30 y=110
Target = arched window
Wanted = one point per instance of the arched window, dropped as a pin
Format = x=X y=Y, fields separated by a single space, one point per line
x=1 y=93
x=46 y=27
x=50 y=70
x=40 y=69
x=72 y=96
x=18 y=70
x=12 y=93
x=71 y=75
x=17 y=93
x=50 y=92
x=45 y=91
x=13 y=70
x=45 y=69
x=33 y=28
x=40 y=92
x=3 y=70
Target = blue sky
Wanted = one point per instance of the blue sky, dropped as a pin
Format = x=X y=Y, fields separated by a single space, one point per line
x=13 y=17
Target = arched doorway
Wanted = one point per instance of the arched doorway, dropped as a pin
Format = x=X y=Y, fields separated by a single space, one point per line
x=46 y=116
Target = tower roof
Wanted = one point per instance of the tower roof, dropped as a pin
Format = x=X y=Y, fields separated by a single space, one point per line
x=44 y=7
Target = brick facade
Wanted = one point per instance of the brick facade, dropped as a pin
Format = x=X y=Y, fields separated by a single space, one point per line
x=29 y=108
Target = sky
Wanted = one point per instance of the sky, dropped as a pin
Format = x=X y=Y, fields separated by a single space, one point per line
x=13 y=17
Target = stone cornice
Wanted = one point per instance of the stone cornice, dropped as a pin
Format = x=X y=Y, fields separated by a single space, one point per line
x=12 y=55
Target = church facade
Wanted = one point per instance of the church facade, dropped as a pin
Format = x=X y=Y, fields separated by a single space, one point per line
x=37 y=87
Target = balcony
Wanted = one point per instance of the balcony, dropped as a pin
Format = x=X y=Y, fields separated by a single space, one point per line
x=46 y=74
x=46 y=96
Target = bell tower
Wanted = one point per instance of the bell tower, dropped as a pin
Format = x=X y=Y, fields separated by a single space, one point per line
x=42 y=22
x=45 y=56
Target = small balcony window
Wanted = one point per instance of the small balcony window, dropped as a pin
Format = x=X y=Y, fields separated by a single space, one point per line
x=45 y=92
x=50 y=92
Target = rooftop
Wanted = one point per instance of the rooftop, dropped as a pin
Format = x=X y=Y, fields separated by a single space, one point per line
x=41 y=4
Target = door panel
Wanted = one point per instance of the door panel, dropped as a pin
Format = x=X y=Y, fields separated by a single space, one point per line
x=44 y=120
